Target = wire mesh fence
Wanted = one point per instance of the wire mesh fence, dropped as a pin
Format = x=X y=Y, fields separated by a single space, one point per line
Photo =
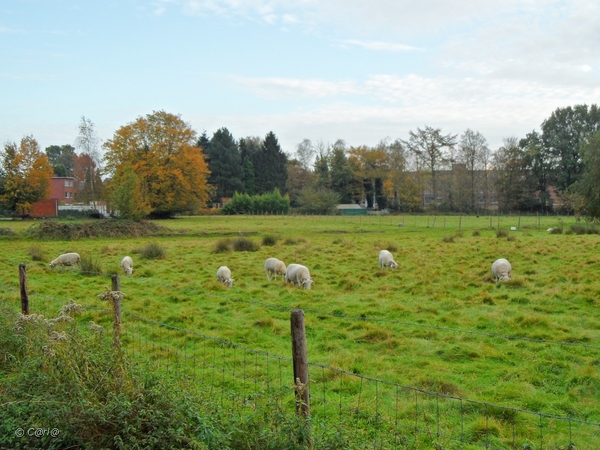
x=381 y=413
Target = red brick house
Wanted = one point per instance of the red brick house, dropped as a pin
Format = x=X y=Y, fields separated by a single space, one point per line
x=62 y=192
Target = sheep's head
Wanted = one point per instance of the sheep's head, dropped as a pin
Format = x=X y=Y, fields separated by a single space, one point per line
x=393 y=265
x=307 y=283
x=129 y=270
x=504 y=277
x=229 y=281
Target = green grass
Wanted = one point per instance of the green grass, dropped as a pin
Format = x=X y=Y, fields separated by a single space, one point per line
x=437 y=323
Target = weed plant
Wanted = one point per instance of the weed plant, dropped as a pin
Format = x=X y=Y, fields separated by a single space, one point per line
x=223 y=246
x=269 y=240
x=90 y=264
x=153 y=251
x=36 y=253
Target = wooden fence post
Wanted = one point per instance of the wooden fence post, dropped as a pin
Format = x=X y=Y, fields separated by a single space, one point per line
x=300 y=361
x=23 y=288
x=116 y=286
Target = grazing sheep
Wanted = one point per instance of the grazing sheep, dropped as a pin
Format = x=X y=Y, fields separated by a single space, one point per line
x=127 y=265
x=501 y=270
x=297 y=273
x=66 y=259
x=274 y=266
x=224 y=275
x=387 y=260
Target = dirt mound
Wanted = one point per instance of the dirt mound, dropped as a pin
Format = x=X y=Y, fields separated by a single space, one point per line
x=95 y=229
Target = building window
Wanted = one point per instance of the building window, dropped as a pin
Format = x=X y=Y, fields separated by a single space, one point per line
x=68 y=183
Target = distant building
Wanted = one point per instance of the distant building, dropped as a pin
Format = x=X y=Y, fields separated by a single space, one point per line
x=62 y=192
x=351 y=209
x=63 y=189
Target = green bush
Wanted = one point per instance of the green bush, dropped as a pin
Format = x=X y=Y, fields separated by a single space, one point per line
x=269 y=240
x=153 y=251
x=245 y=245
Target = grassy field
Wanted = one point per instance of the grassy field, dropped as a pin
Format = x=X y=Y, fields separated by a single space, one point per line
x=438 y=323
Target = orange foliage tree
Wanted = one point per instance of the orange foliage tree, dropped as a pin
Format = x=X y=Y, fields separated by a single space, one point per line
x=160 y=149
x=27 y=174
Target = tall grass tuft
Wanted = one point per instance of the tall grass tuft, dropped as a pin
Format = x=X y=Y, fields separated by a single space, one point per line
x=579 y=228
x=501 y=233
x=36 y=253
x=245 y=245
x=222 y=246
x=269 y=240
x=153 y=251
x=90 y=265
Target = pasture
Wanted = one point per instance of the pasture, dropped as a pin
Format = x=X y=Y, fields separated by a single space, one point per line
x=438 y=323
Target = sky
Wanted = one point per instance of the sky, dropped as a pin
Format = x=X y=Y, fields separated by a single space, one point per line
x=361 y=71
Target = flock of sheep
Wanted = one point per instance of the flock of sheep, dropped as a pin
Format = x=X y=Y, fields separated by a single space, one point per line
x=70 y=259
x=293 y=273
x=299 y=274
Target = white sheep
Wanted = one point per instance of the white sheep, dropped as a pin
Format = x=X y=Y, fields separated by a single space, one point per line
x=224 y=275
x=66 y=259
x=297 y=273
x=273 y=267
x=387 y=260
x=127 y=265
x=501 y=270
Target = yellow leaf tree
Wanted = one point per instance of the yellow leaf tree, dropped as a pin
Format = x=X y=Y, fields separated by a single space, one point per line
x=27 y=174
x=160 y=149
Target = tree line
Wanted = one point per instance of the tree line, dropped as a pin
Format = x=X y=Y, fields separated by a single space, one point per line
x=158 y=165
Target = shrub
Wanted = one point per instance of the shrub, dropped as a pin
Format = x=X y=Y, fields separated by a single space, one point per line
x=153 y=251
x=245 y=245
x=90 y=265
x=448 y=239
x=501 y=233
x=584 y=229
x=222 y=246
x=476 y=233
x=36 y=253
x=269 y=240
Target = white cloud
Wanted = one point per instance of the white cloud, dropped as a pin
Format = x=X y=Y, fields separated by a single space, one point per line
x=380 y=46
x=285 y=88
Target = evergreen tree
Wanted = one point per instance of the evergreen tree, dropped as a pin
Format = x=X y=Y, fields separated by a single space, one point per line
x=61 y=158
x=249 y=152
x=322 y=176
x=225 y=164
x=341 y=174
x=271 y=170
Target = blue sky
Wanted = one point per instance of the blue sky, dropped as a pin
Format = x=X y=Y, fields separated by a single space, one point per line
x=307 y=69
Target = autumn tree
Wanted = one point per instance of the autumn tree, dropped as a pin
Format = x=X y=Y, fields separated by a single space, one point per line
x=373 y=163
x=61 y=159
x=540 y=165
x=298 y=178
x=127 y=197
x=26 y=175
x=515 y=187
x=161 y=150
x=91 y=184
x=429 y=146
x=473 y=152
x=305 y=153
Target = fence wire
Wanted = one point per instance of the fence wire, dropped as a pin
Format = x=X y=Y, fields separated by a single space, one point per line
x=384 y=414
